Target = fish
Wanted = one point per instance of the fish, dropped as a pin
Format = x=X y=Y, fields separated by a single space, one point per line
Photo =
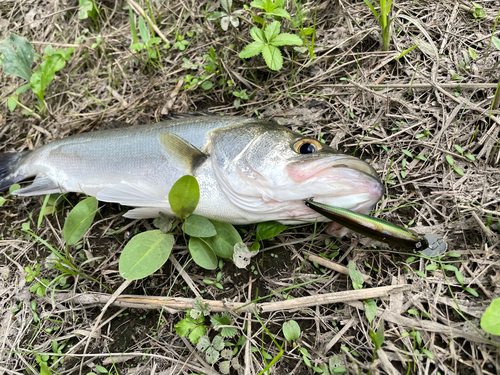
x=249 y=170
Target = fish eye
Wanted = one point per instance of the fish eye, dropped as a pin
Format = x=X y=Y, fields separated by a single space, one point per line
x=307 y=146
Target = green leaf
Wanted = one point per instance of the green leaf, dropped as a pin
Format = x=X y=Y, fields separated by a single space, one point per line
x=490 y=321
x=378 y=337
x=459 y=171
x=370 y=309
x=286 y=39
x=407 y=153
x=184 y=196
x=280 y=12
x=227 y=5
x=185 y=326
x=225 y=239
x=257 y=4
x=207 y=85
x=355 y=275
x=46 y=72
x=251 y=50
x=431 y=267
x=197 y=333
x=272 y=57
x=218 y=343
x=257 y=35
x=18 y=56
x=215 y=15
x=291 y=330
x=79 y=220
x=471 y=291
x=449 y=159
x=198 y=226
x=87 y=9
x=372 y=8
x=203 y=255
x=272 y=30
x=14 y=187
x=459 y=149
x=144 y=254
x=143 y=30
x=2 y=201
x=496 y=42
x=12 y=102
x=212 y=355
x=269 y=229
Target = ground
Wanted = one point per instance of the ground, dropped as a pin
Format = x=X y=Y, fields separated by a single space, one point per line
x=422 y=117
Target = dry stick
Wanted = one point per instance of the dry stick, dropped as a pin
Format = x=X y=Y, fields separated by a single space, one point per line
x=425 y=325
x=189 y=281
x=147 y=302
x=139 y=10
x=333 y=266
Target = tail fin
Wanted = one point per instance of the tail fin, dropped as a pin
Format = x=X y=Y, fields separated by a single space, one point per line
x=8 y=168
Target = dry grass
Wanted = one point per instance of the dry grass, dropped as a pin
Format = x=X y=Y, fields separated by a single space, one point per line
x=330 y=97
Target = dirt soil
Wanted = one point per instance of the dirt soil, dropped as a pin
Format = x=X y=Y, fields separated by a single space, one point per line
x=408 y=115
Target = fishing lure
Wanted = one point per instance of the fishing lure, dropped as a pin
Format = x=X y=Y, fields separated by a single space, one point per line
x=427 y=244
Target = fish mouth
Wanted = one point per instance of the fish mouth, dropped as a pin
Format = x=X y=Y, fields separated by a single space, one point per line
x=339 y=180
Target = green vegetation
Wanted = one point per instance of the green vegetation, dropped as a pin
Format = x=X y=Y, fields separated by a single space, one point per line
x=385 y=22
x=19 y=56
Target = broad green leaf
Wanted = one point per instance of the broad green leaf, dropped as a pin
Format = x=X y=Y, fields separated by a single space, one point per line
x=218 y=343
x=225 y=239
x=198 y=226
x=286 y=39
x=449 y=159
x=407 y=153
x=251 y=50
x=272 y=30
x=143 y=30
x=280 y=12
x=144 y=254
x=18 y=56
x=459 y=149
x=203 y=344
x=257 y=4
x=291 y=330
x=370 y=309
x=490 y=321
x=207 y=85
x=212 y=355
x=202 y=253
x=79 y=220
x=272 y=57
x=269 y=229
x=197 y=333
x=14 y=187
x=184 y=196
x=2 y=201
x=257 y=34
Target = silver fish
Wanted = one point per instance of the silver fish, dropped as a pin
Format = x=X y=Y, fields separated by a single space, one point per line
x=248 y=170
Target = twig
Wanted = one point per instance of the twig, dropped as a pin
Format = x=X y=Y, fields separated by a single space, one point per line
x=171 y=304
x=333 y=266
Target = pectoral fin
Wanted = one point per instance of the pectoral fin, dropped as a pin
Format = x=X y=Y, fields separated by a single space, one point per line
x=40 y=186
x=184 y=153
x=134 y=194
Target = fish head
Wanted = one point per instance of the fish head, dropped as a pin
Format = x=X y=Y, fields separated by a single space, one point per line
x=267 y=168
